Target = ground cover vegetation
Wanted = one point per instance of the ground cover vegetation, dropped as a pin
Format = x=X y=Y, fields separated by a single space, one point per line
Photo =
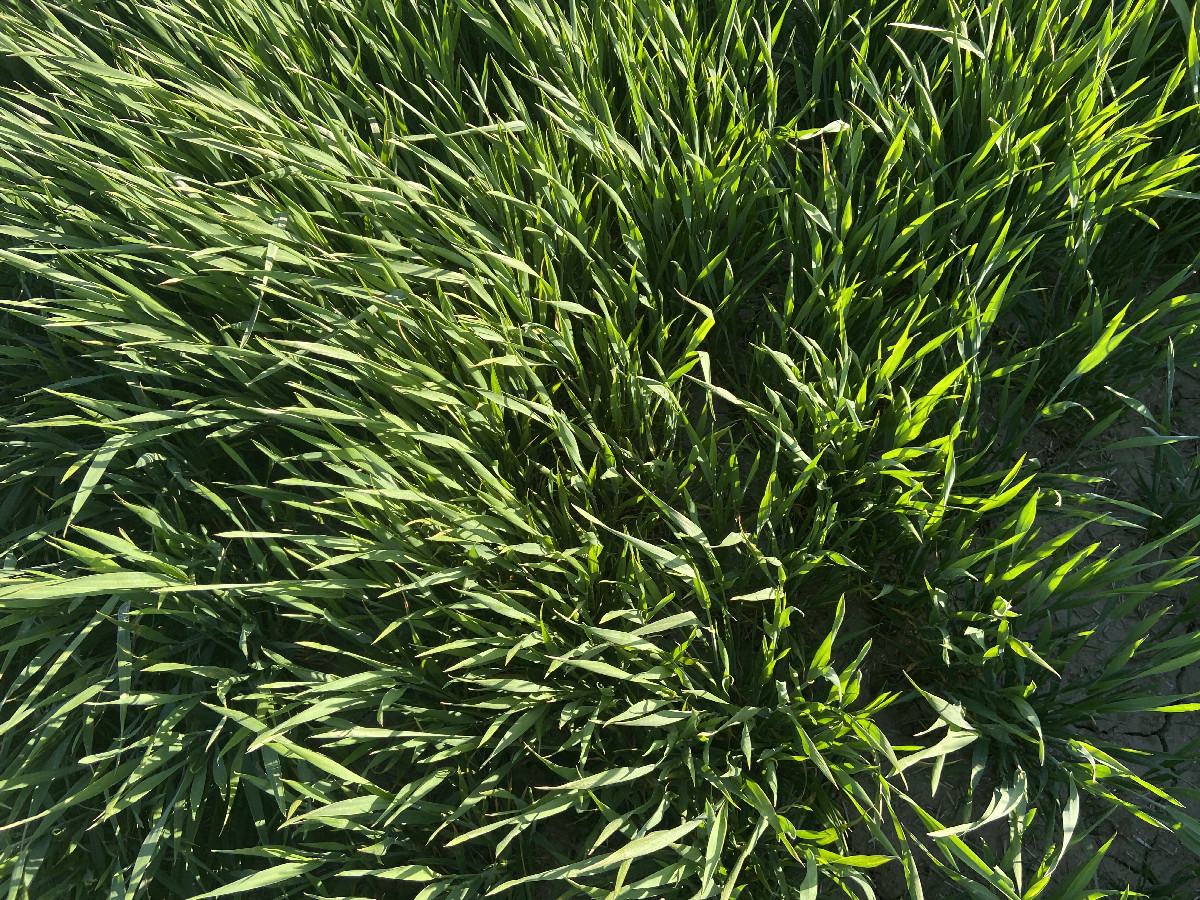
x=582 y=449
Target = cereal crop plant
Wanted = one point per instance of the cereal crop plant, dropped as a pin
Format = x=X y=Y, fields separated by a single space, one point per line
x=599 y=448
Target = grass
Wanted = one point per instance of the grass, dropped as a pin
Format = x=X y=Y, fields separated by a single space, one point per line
x=554 y=450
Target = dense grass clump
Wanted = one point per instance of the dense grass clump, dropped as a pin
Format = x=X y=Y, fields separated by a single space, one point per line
x=625 y=449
